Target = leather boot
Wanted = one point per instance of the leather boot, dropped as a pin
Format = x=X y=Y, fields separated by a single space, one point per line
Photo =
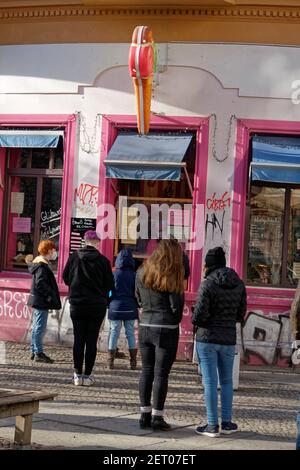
x=133 y=354
x=111 y=353
x=159 y=424
x=145 y=420
x=120 y=354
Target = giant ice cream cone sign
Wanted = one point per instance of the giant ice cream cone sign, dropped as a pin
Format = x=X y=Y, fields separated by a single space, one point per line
x=141 y=68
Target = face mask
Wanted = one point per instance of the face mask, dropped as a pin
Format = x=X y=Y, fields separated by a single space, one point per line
x=54 y=255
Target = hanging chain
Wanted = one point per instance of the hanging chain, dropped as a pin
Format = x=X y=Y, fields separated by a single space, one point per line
x=214 y=152
x=88 y=143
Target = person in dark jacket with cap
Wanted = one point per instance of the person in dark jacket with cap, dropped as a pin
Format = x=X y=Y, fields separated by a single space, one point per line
x=89 y=277
x=44 y=296
x=221 y=303
x=123 y=307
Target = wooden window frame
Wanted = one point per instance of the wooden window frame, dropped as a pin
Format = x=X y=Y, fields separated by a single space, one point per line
x=40 y=175
x=69 y=124
x=285 y=232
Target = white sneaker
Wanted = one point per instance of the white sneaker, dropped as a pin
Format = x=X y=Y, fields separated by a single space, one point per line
x=78 y=379
x=88 y=381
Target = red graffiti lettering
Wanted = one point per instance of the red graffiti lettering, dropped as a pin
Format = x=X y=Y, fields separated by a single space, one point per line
x=218 y=204
x=87 y=194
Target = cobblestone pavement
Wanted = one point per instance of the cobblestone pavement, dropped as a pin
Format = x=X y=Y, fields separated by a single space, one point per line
x=265 y=403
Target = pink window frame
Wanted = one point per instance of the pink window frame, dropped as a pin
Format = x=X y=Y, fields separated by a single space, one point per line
x=246 y=127
x=110 y=126
x=68 y=122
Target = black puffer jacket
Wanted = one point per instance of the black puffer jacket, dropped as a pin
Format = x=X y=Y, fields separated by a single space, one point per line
x=221 y=303
x=159 y=308
x=89 y=277
x=44 y=294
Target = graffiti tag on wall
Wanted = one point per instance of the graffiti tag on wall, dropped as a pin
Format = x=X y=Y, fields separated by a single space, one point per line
x=216 y=207
x=86 y=199
x=86 y=194
x=13 y=306
x=15 y=316
x=265 y=338
x=217 y=204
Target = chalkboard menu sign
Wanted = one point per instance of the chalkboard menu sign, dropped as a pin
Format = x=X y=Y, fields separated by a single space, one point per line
x=78 y=228
x=266 y=234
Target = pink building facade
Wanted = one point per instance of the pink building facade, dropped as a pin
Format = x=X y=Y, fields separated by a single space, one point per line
x=225 y=112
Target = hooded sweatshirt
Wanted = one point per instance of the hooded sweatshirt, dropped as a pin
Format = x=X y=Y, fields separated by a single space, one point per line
x=221 y=303
x=123 y=304
x=44 y=294
x=89 y=277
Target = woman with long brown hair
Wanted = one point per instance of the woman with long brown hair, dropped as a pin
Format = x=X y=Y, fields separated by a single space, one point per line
x=159 y=288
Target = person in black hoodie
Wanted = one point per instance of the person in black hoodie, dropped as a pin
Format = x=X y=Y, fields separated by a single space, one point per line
x=160 y=293
x=44 y=296
x=89 y=277
x=221 y=303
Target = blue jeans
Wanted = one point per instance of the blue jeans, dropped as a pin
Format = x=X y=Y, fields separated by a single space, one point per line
x=114 y=333
x=214 y=359
x=39 y=324
x=298 y=431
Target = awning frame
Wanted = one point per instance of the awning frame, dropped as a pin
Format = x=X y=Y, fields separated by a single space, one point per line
x=30 y=138
x=143 y=163
x=148 y=163
x=275 y=165
x=31 y=132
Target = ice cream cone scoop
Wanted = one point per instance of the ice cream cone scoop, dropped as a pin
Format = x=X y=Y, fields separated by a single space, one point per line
x=141 y=67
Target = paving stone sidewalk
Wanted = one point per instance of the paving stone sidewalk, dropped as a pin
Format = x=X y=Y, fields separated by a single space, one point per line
x=265 y=405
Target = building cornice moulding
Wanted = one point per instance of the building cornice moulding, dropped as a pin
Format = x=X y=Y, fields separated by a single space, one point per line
x=281 y=14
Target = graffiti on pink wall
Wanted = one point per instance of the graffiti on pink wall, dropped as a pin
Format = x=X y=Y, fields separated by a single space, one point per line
x=15 y=316
x=266 y=339
x=16 y=321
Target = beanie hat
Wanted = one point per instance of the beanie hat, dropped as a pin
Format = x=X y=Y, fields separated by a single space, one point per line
x=215 y=257
x=91 y=235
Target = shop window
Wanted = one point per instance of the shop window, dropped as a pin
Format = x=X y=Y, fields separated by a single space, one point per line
x=32 y=205
x=273 y=243
x=153 y=170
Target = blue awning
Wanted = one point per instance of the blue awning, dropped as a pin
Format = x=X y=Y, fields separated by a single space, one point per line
x=29 y=139
x=276 y=159
x=147 y=157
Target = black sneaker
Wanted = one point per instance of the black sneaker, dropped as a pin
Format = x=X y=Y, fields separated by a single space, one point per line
x=145 y=420
x=32 y=356
x=229 y=428
x=159 y=424
x=41 y=357
x=208 y=430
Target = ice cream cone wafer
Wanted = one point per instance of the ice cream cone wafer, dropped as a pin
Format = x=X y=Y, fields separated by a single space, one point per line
x=143 y=92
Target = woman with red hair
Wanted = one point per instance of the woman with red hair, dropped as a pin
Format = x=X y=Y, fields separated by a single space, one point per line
x=44 y=296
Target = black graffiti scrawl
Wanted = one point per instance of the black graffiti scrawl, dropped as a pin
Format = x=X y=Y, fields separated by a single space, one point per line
x=216 y=223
